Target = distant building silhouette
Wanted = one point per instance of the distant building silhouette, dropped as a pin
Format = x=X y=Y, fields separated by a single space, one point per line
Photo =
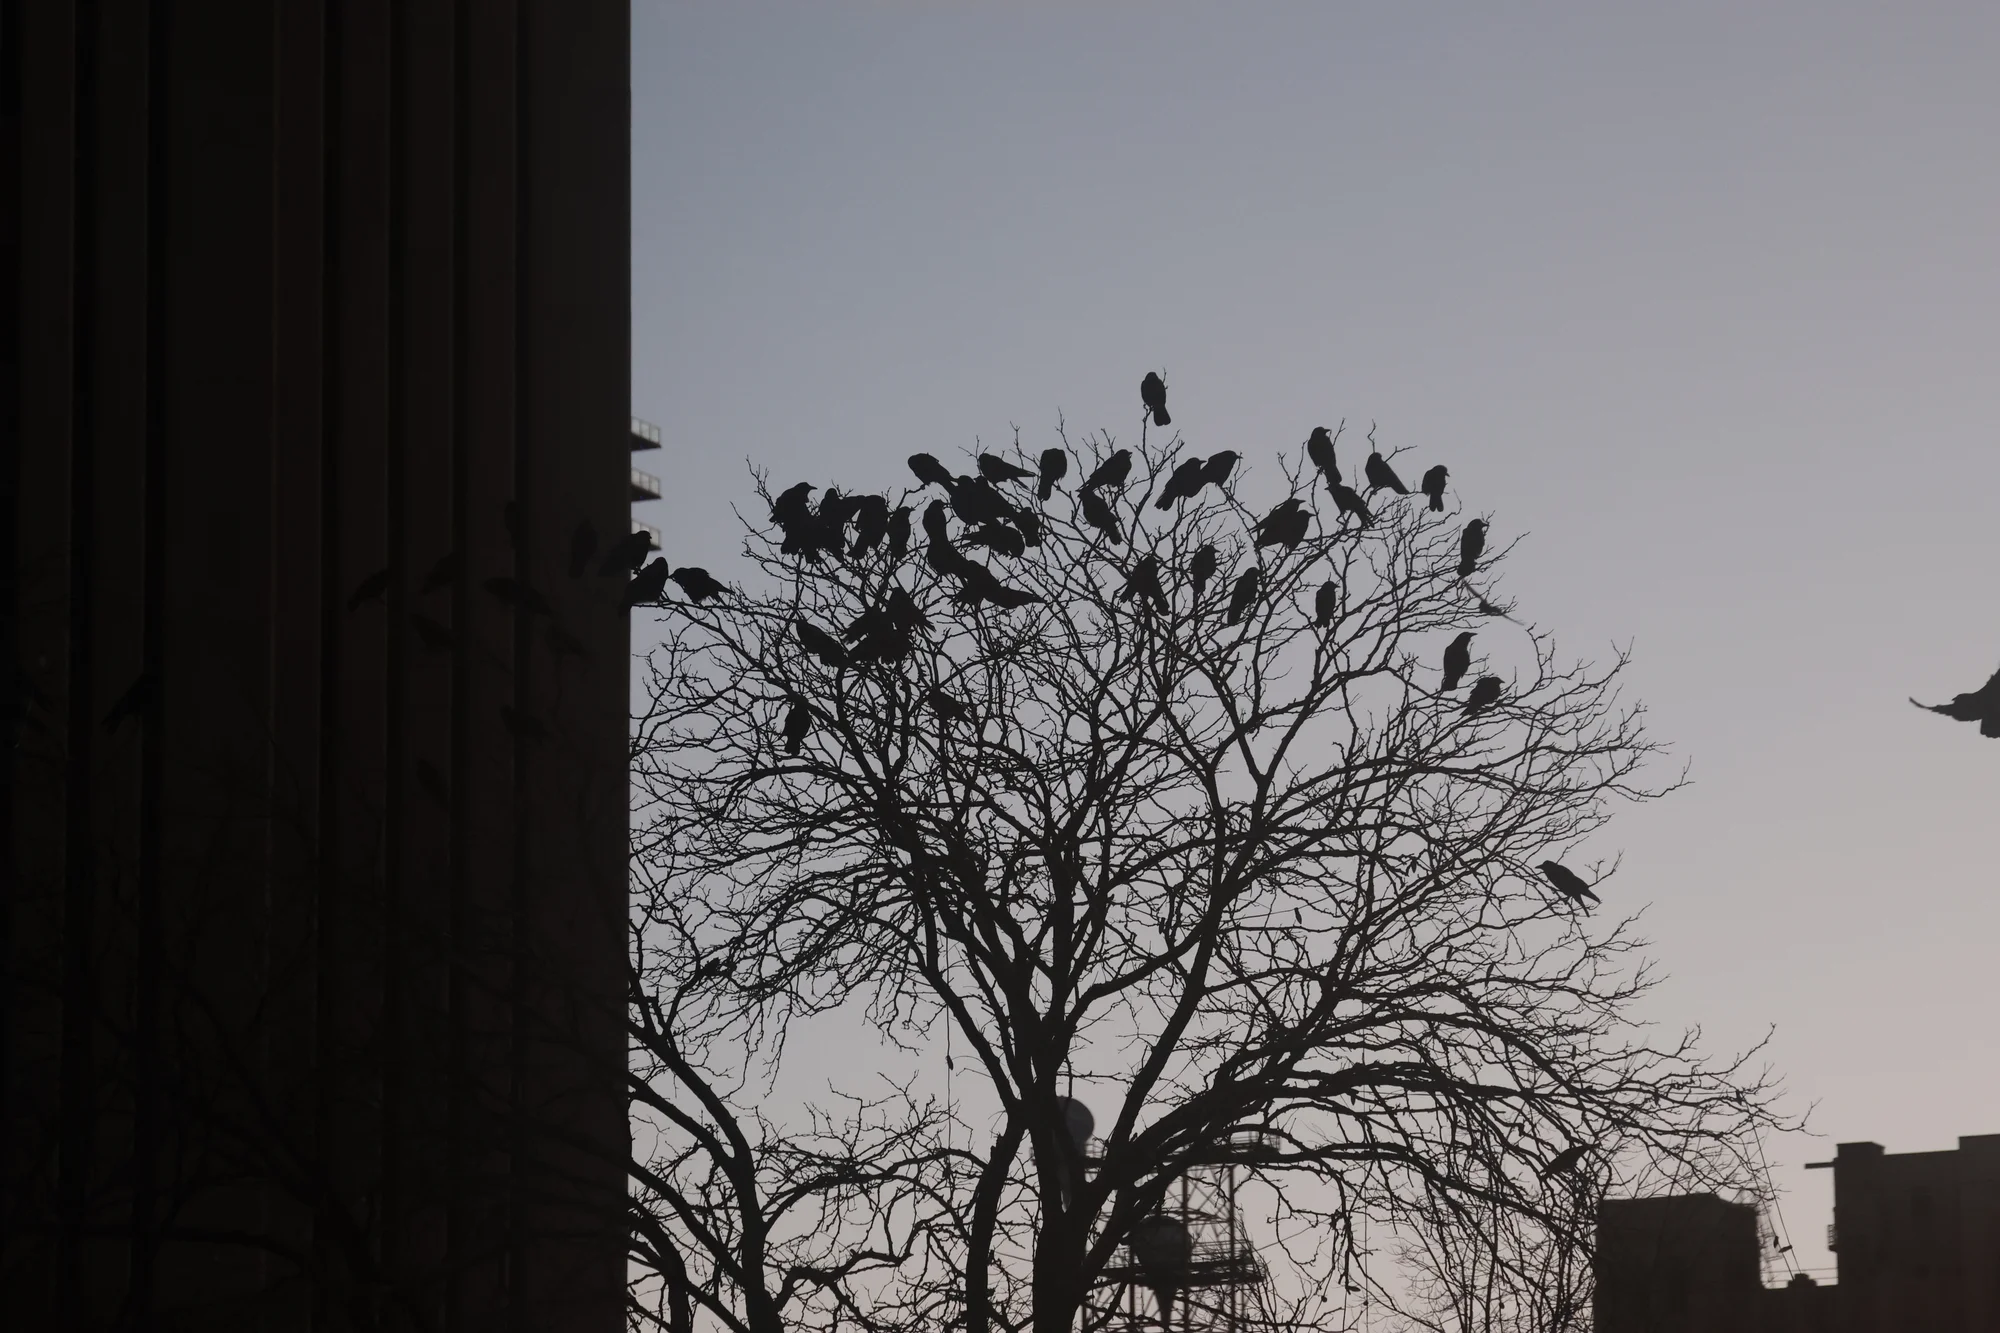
x=1916 y=1237
x=314 y=377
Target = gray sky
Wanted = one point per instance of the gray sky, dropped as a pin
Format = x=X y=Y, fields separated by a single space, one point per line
x=1704 y=298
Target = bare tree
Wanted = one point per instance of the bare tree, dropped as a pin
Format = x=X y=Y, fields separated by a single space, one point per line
x=1164 y=808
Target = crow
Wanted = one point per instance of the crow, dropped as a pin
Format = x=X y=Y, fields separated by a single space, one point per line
x=445 y=572
x=1202 y=569
x=997 y=469
x=1244 y=595
x=878 y=638
x=1470 y=544
x=697 y=583
x=621 y=557
x=523 y=726
x=1566 y=1160
x=871 y=523
x=1326 y=603
x=1382 y=477
x=1433 y=486
x=1111 y=472
x=1153 y=393
x=793 y=507
x=1981 y=706
x=899 y=532
x=976 y=501
x=1567 y=882
x=981 y=585
x=1457 y=660
x=828 y=531
x=1485 y=693
x=1351 y=503
x=939 y=553
x=798 y=721
x=1218 y=468
x=582 y=546
x=905 y=613
x=435 y=636
x=1487 y=608
x=1055 y=466
x=519 y=596
x=1098 y=514
x=1030 y=526
x=929 y=471
x=999 y=537
x=648 y=585
x=1187 y=479
x=946 y=707
x=1319 y=448
x=820 y=644
x=1285 y=525
x=369 y=589
x=1144 y=582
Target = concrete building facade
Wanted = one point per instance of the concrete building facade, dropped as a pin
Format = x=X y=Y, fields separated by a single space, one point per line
x=314 y=389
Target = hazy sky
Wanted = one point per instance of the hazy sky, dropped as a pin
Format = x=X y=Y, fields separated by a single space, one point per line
x=1705 y=299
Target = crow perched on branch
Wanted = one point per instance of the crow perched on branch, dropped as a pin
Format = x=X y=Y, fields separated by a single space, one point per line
x=1457 y=660
x=1153 y=393
x=820 y=644
x=1218 y=467
x=1326 y=603
x=1981 y=705
x=621 y=557
x=975 y=501
x=1319 y=448
x=1433 y=486
x=1098 y=514
x=930 y=472
x=1244 y=595
x=1186 y=480
x=997 y=469
x=1144 y=582
x=1567 y=882
x=1566 y=1160
x=798 y=721
x=792 y=508
x=1351 y=503
x=1471 y=543
x=871 y=523
x=1485 y=693
x=899 y=532
x=1111 y=472
x=1202 y=568
x=648 y=585
x=1286 y=525
x=1055 y=466
x=1382 y=477
x=997 y=536
x=697 y=583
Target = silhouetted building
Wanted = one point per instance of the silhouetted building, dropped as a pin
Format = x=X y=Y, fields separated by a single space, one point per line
x=313 y=388
x=1916 y=1237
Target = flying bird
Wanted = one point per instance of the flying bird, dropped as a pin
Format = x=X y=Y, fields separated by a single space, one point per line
x=1244 y=595
x=1098 y=514
x=1285 y=525
x=1351 y=503
x=1202 y=569
x=697 y=583
x=369 y=589
x=929 y=471
x=1218 y=468
x=1319 y=448
x=798 y=721
x=1457 y=660
x=1055 y=466
x=1153 y=393
x=582 y=546
x=1485 y=693
x=1566 y=1160
x=1382 y=477
x=1144 y=583
x=648 y=585
x=820 y=644
x=1471 y=543
x=871 y=523
x=1433 y=486
x=1111 y=472
x=621 y=557
x=899 y=532
x=1183 y=484
x=1981 y=706
x=995 y=468
x=1326 y=603
x=1567 y=882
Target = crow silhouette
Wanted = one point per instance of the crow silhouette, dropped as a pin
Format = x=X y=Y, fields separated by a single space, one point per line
x=1566 y=1160
x=1382 y=477
x=904 y=613
x=998 y=537
x=899 y=532
x=946 y=707
x=1981 y=706
x=625 y=554
x=1326 y=603
x=1286 y=525
x=1471 y=543
x=1351 y=503
x=929 y=471
x=1485 y=693
x=793 y=507
x=975 y=501
x=1244 y=595
x=1098 y=514
x=1055 y=466
x=1202 y=569
x=798 y=721
x=1457 y=660
x=368 y=589
x=1111 y=472
x=981 y=585
x=648 y=585
x=1567 y=882
x=940 y=554
x=1218 y=467
x=1319 y=448
x=820 y=644
x=871 y=523
x=1144 y=582
x=1433 y=486
x=1182 y=485
x=697 y=583
x=1153 y=393
x=996 y=469
x=582 y=546
x=445 y=572
x=1030 y=526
